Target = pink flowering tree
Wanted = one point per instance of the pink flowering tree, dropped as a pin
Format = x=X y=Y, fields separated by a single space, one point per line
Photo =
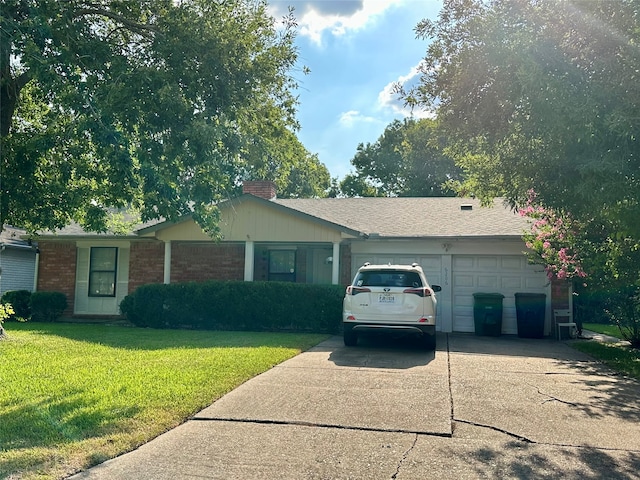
x=568 y=248
x=553 y=241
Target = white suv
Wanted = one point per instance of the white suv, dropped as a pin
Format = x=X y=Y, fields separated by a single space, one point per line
x=390 y=298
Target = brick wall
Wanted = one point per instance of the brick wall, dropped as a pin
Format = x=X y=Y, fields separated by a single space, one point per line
x=345 y=264
x=146 y=264
x=206 y=262
x=301 y=265
x=260 y=188
x=559 y=294
x=57 y=270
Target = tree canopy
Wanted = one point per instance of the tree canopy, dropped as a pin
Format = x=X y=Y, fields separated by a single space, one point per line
x=158 y=105
x=542 y=95
x=543 y=101
x=407 y=160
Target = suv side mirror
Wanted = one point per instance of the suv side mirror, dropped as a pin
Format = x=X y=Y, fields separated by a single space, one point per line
x=436 y=288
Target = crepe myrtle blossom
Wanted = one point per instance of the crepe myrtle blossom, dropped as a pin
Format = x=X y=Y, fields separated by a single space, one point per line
x=551 y=241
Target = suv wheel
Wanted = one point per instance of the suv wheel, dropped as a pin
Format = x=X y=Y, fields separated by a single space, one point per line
x=350 y=339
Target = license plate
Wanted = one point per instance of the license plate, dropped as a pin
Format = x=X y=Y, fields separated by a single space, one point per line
x=386 y=298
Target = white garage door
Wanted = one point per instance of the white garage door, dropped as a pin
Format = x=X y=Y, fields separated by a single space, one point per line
x=505 y=274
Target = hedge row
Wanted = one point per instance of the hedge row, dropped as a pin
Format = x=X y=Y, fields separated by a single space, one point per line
x=237 y=305
x=36 y=306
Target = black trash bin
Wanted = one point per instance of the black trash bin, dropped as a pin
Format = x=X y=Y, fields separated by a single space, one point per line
x=487 y=313
x=530 y=309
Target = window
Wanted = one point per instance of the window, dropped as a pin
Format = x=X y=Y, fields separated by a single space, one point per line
x=282 y=265
x=102 y=272
x=282 y=261
x=388 y=278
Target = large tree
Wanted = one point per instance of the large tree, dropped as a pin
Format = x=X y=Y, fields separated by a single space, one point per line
x=407 y=160
x=281 y=157
x=159 y=105
x=543 y=100
x=540 y=94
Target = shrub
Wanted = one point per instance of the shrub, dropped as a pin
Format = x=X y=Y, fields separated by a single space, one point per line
x=5 y=312
x=47 y=306
x=623 y=309
x=237 y=305
x=19 y=300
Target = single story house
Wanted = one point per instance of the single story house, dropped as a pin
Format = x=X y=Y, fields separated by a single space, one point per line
x=463 y=247
x=17 y=261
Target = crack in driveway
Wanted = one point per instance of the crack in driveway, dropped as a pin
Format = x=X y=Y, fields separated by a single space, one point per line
x=300 y=423
x=404 y=457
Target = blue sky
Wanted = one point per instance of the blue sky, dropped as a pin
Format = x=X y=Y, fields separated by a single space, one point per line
x=355 y=49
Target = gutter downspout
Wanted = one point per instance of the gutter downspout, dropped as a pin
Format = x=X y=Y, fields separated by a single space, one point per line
x=36 y=269
x=167 y=262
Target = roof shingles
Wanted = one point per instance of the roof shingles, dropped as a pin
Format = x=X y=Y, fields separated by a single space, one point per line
x=404 y=217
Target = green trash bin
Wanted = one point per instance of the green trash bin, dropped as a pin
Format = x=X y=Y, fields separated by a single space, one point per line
x=487 y=313
x=530 y=309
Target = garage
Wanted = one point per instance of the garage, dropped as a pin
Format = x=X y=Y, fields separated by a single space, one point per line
x=460 y=276
x=505 y=274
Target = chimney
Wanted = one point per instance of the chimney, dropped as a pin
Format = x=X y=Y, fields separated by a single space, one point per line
x=260 y=188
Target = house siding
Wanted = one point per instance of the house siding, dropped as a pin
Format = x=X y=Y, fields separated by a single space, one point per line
x=18 y=268
x=206 y=262
x=57 y=270
x=146 y=264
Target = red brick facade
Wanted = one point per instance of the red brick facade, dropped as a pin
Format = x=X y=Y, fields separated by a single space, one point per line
x=261 y=188
x=57 y=270
x=345 y=265
x=559 y=294
x=146 y=264
x=202 y=262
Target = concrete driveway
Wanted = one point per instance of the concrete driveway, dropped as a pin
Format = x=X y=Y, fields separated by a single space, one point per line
x=478 y=407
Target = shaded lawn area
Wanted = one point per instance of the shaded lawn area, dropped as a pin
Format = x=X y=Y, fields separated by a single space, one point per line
x=620 y=357
x=606 y=329
x=73 y=396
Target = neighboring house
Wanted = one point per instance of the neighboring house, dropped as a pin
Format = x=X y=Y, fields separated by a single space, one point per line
x=17 y=261
x=462 y=246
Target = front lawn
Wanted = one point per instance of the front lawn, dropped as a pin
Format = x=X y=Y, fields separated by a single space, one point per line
x=73 y=396
x=619 y=356
x=606 y=329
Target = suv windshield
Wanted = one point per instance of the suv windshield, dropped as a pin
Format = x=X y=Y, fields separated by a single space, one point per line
x=388 y=278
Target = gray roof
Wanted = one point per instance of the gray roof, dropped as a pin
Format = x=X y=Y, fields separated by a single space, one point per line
x=11 y=237
x=402 y=217
x=396 y=217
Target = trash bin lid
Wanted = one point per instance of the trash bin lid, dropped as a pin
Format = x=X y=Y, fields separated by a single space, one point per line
x=530 y=295
x=488 y=295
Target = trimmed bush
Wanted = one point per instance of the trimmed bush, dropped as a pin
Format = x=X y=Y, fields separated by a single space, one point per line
x=237 y=305
x=19 y=300
x=47 y=306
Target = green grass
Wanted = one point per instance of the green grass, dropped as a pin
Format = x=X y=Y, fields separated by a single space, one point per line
x=73 y=396
x=621 y=357
x=606 y=329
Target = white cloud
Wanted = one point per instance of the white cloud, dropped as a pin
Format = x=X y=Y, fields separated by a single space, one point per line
x=389 y=100
x=337 y=17
x=352 y=117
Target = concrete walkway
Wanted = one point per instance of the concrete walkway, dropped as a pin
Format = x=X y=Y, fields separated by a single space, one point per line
x=478 y=407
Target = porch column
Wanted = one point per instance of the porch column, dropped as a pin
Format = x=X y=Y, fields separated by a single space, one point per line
x=335 y=265
x=248 y=261
x=167 y=262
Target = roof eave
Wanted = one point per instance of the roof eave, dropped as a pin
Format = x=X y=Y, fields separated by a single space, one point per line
x=443 y=237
